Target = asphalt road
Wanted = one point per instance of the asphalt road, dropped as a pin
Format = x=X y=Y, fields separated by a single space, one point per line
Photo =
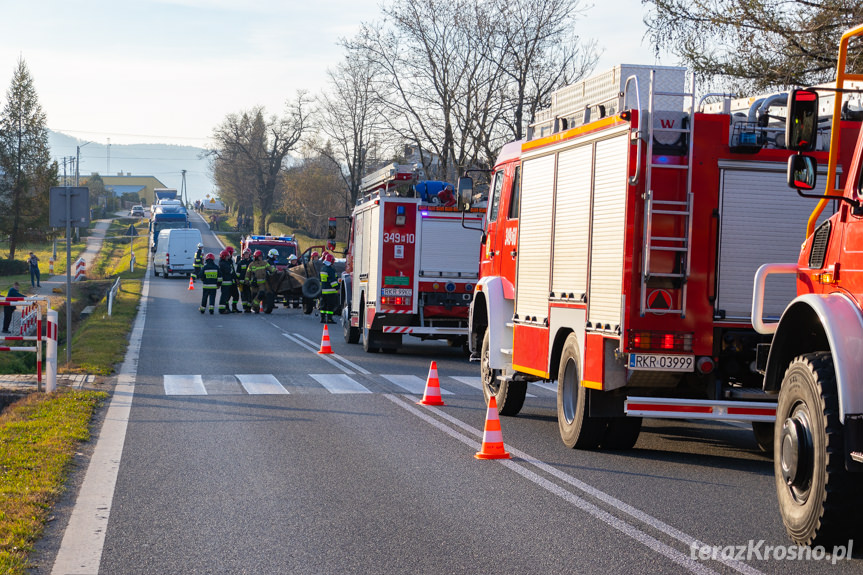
x=248 y=452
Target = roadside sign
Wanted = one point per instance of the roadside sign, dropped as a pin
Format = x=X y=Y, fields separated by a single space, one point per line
x=79 y=202
x=132 y=231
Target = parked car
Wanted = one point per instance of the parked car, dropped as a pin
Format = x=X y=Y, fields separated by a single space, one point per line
x=175 y=251
x=137 y=211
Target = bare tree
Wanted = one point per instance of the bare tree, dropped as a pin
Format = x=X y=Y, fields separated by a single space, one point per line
x=251 y=152
x=314 y=191
x=757 y=44
x=351 y=120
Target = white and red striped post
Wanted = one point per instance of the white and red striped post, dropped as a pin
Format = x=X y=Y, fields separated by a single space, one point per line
x=51 y=266
x=51 y=334
x=80 y=269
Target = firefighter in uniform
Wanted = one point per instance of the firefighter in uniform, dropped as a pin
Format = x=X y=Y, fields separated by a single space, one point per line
x=256 y=275
x=329 y=289
x=226 y=273
x=212 y=280
x=199 y=262
x=242 y=283
x=235 y=289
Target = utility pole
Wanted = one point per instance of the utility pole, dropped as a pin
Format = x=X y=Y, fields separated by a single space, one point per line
x=183 y=193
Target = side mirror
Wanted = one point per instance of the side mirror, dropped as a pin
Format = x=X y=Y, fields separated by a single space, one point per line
x=802 y=172
x=801 y=125
x=465 y=192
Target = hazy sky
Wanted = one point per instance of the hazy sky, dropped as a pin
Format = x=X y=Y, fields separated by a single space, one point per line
x=170 y=70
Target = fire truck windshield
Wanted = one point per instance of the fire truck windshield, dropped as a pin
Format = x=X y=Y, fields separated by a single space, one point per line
x=284 y=251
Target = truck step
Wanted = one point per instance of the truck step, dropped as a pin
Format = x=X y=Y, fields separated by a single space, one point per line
x=673 y=408
x=749 y=394
x=506 y=351
x=857 y=456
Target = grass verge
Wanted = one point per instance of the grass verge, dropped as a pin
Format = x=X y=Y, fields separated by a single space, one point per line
x=38 y=438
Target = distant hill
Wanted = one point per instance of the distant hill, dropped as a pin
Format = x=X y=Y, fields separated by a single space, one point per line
x=163 y=161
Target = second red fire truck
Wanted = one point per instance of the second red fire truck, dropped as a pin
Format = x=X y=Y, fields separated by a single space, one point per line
x=622 y=237
x=412 y=263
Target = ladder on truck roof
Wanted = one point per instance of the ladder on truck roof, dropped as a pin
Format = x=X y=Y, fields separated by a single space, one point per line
x=653 y=207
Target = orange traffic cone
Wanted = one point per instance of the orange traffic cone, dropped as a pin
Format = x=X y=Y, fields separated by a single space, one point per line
x=191 y=282
x=492 y=438
x=432 y=393
x=325 y=341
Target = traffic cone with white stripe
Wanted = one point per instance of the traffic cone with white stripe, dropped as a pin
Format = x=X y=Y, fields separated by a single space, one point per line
x=325 y=342
x=191 y=282
x=432 y=392
x=492 y=438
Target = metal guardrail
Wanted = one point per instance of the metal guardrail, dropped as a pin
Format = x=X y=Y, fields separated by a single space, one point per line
x=112 y=294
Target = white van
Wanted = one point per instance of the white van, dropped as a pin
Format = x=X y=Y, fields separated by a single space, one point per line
x=176 y=251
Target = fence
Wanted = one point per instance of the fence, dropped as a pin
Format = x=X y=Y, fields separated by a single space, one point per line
x=29 y=327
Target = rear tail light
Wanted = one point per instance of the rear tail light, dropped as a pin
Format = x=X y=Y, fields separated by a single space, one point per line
x=395 y=300
x=659 y=341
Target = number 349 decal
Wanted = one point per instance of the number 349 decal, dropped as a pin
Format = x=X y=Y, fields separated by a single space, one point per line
x=398 y=238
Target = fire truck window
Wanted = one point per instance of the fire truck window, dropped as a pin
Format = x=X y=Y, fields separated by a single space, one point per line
x=515 y=196
x=495 y=196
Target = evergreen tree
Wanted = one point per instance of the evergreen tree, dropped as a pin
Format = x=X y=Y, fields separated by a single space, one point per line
x=25 y=161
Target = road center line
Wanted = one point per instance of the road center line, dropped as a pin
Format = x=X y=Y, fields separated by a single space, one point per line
x=80 y=551
x=619 y=524
x=344 y=360
x=325 y=357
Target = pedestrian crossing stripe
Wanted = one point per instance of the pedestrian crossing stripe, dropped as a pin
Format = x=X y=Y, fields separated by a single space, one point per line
x=334 y=383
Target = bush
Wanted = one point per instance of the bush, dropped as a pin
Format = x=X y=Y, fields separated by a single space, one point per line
x=13 y=267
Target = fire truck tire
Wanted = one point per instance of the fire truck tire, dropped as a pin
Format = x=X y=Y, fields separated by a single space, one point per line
x=352 y=334
x=577 y=428
x=368 y=345
x=763 y=432
x=622 y=433
x=509 y=395
x=809 y=456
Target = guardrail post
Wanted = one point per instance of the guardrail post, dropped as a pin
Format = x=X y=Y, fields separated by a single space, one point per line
x=51 y=351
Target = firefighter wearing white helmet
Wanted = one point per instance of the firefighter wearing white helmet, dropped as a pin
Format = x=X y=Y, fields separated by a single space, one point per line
x=199 y=261
x=273 y=256
x=329 y=289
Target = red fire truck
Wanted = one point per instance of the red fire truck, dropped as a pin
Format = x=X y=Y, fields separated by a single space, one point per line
x=815 y=361
x=621 y=238
x=411 y=264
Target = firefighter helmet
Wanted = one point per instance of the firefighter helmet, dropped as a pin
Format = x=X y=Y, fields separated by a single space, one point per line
x=328 y=258
x=273 y=253
x=223 y=255
x=247 y=252
x=259 y=254
x=315 y=255
x=210 y=257
x=200 y=245
x=230 y=250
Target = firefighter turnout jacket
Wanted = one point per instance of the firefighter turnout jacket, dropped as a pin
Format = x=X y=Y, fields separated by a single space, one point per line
x=329 y=280
x=211 y=275
x=257 y=272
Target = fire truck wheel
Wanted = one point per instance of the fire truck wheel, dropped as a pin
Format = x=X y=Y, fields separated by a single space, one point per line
x=807 y=424
x=509 y=395
x=763 y=432
x=368 y=345
x=352 y=334
x=622 y=433
x=577 y=429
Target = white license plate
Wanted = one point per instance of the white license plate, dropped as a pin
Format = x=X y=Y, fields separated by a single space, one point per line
x=397 y=291
x=661 y=362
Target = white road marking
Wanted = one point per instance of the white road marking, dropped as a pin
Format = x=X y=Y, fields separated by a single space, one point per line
x=325 y=357
x=355 y=367
x=184 y=385
x=518 y=466
x=411 y=384
x=261 y=384
x=338 y=383
x=80 y=551
x=474 y=381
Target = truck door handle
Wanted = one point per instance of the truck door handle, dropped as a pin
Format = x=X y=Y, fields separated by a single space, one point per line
x=513 y=253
